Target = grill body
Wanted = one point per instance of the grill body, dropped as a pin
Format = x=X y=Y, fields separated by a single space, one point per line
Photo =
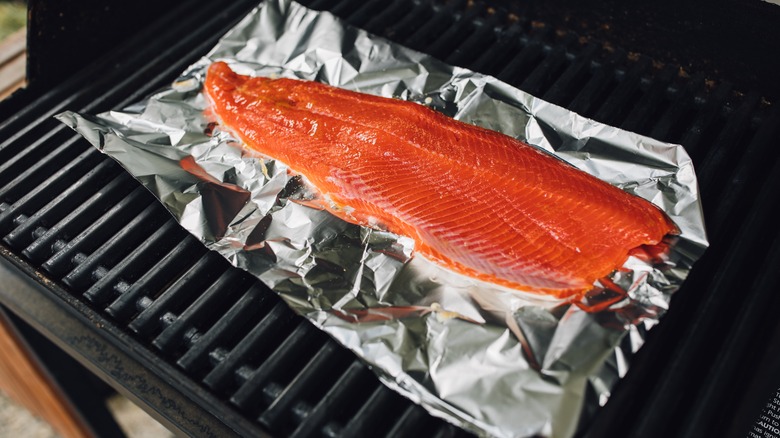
x=94 y=263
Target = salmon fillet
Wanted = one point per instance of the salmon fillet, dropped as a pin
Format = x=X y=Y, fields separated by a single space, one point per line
x=475 y=201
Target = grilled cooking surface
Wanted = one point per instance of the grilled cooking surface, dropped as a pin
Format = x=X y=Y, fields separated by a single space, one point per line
x=74 y=216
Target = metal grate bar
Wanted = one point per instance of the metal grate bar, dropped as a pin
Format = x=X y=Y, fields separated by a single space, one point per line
x=628 y=86
x=521 y=66
x=317 y=372
x=344 y=7
x=131 y=235
x=229 y=327
x=365 y=11
x=499 y=53
x=340 y=395
x=265 y=383
x=602 y=79
x=262 y=339
x=448 y=41
x=182 y=327
x=144 y=254
x=548 y=70
x=706 y=120
x=112 y=220
x=414 y=17
x=574 y=78
x=87 y=212
x=322 y=4
x=470 y=49
x=744 y=177
x=373 y=415
x=721 y=153
x=162 y=311
x=408 y=423
x=392 y=14
x=60 y=205
x=137 y=296
x=24 y=199
x=24 y=159
x=651 y=103
x=667 y=125
x=424 y=35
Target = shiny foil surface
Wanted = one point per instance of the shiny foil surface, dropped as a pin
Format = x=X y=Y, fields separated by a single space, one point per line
x=491 y=360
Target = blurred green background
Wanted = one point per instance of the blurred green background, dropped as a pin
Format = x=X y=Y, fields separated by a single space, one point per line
x=13 y=16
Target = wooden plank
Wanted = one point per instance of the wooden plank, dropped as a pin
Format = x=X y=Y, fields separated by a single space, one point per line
x=13 y=62
x=12 y=75
x=29 y=385
x=13 y=46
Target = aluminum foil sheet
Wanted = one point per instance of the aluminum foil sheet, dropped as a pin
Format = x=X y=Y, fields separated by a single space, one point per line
x=493 y=361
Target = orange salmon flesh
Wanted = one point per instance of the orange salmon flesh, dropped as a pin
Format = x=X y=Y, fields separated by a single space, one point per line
x=475 y=201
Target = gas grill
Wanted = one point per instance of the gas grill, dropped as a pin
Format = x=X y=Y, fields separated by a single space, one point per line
x=95 y=264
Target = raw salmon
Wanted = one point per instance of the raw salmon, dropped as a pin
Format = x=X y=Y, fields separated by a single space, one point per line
x=474 y=200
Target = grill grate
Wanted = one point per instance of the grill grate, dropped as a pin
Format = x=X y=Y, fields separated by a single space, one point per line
x=75 y=216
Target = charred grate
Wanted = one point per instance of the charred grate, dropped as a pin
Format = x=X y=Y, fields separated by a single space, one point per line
x=78 y=219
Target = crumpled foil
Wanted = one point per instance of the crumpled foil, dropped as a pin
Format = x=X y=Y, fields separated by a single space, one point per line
x=493 y=361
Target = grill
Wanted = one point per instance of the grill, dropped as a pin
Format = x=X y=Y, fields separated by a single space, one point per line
x=92 y=261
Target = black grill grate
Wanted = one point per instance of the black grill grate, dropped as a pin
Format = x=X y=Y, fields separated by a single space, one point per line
x=76 y=217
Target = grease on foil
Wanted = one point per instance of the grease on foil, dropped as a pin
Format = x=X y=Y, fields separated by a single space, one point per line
x=490 y=360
